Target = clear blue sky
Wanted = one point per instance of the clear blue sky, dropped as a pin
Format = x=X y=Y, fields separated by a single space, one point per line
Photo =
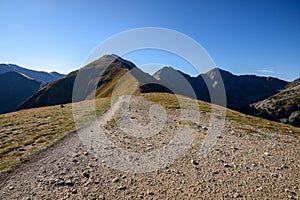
x=242 y=36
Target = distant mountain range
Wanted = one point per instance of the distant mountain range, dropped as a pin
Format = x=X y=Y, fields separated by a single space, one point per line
x=44 y=77
x=249 y=94
x=17 y=84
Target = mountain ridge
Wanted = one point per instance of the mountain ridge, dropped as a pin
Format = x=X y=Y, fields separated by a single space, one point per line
x=14 y=89
x=41 y=76
x=101 y=76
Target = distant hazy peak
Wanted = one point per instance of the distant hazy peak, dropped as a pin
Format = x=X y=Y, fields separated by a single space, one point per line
x=41 y=76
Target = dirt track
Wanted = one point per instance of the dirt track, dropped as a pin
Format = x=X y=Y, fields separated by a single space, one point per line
x=244 y=164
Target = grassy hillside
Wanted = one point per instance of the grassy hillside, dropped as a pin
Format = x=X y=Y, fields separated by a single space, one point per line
x=28 y=131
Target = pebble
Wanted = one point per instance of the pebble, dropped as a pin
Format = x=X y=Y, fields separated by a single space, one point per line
x=237 y=195
x=121 y=188
x=150 y=193
x=86 y=174
x=60 y=183
x=11 y=188
x=194 y=162
x=227 y=165
x=115 y=180
x=69 y=183
x=266 y=153
x=216 y=172
x=282 y=167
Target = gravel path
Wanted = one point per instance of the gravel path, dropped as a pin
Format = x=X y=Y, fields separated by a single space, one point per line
x=245 y=163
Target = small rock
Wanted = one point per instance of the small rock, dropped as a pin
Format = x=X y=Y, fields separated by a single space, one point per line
x=60 y=183
x=274 y=175
x=150 y=193
x=194 y=162
x=266 y=153
x=86 y=174
x=227 y=165
x=75 y=160
x=69 y=183
x=282 y=167
x=121 y=188
x=11 y=188
x=21 y=149
x=115 y=180
x=86 y=153
x=233 y=148
x=62 y=106
x=215 y=172
x=237 y=195
x=74 y=191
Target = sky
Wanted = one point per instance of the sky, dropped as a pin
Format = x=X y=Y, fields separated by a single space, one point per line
x=259 y=37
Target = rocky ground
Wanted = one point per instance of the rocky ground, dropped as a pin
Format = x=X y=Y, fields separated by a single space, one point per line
x=245 y=163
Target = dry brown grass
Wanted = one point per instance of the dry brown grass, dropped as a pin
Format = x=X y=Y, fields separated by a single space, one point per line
x=28 y=131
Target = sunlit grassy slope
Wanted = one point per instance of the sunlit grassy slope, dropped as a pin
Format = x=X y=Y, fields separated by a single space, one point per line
x=28 y=131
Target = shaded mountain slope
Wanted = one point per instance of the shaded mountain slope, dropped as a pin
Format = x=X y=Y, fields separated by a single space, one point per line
x=14 y=89
x=37 y=75
x=240 y=90
x=95 y=79
x=284 y=106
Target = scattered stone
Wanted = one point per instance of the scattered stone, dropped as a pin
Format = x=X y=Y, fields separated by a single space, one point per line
x=86 y=174
x=115 y=180
x=259 y=189
x=237 y=195
x=216 y=172
x=74 y=191
x=60 y=183
x=233 y=148
x=21 y=149
x=86 y=153
x=62 y=106
x=150 y=193
x=227 y=165
x=266 y=153
x=274 y=175
x=282 y=167
x=121 y=188
x=123 y=176
x=11 y=188
x=69 y=183
x=75 y=160
x=194 y=162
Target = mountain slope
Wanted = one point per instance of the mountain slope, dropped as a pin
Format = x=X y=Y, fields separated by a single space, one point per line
x=37 y=75
x=240 y=90
x=284 y=106
x=14 y=89
x=95 y=79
